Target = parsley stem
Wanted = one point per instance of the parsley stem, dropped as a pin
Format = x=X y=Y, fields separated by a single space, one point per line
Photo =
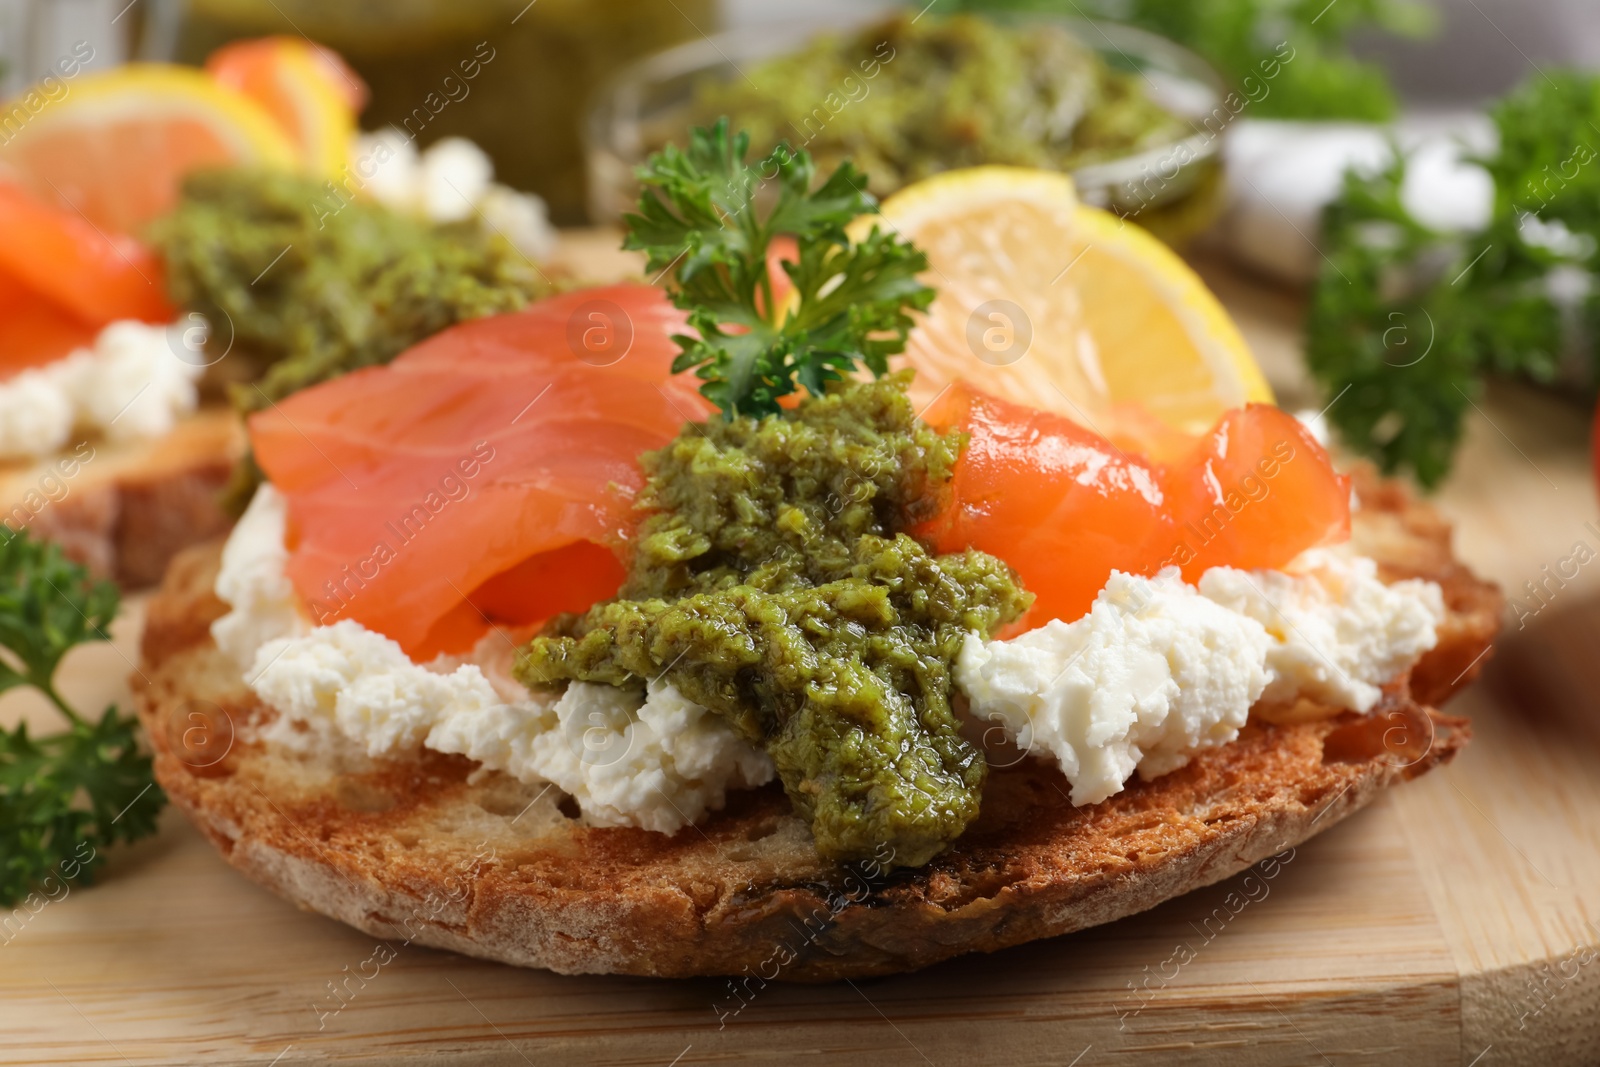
x=49 y=690
x=766 y=296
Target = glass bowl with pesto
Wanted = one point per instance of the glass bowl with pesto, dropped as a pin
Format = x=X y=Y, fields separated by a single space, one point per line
x=1135 y=119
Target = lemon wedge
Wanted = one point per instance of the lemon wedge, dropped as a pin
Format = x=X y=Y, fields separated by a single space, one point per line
x=117 y=145
x=311 y=93
x=1051 y=303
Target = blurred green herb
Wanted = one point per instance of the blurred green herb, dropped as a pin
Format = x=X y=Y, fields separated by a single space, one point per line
x=86 y=786
x=1324 y=80
x=1406 y=320
x=704 y=215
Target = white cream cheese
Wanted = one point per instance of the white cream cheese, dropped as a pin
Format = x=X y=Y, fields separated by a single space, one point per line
x=129 y=384
x=1338 y=631
x=452 y=178
x=657 y=761
x=134 y=385
x=364 y=687
x=1154 y=673
x=451 y=181
x=36 y=413
x=1159 y=670
x=252 y=581
x=661 y=764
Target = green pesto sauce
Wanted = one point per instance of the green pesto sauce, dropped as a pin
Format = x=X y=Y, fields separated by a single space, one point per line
x=908 y=98
x=357 y=283
x=312 y=284
x=774 y=584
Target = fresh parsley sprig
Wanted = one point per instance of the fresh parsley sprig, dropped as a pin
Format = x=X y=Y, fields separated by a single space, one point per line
x=1406 y=321
x=706 y=215
x=78 y=787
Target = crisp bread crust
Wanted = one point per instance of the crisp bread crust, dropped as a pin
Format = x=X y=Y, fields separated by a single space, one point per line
x=125 y=510
x=428 y=851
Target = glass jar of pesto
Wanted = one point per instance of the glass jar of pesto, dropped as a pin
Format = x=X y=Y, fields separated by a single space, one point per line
x=1135 y=119
x=533 y=65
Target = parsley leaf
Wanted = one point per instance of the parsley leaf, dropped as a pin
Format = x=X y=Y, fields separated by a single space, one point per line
x=1405 y=321
x=706 y=215
x=65 y=795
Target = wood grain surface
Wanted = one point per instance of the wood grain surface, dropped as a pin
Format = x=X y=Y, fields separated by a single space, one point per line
x=1455 y=921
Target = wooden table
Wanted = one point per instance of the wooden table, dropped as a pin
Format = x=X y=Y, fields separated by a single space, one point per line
x=1454 y=921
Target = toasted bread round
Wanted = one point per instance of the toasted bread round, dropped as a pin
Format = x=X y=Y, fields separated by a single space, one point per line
x=125 y=510
x=427 y=850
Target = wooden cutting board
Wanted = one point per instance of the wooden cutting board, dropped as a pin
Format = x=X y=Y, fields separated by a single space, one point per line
x=1453 y=921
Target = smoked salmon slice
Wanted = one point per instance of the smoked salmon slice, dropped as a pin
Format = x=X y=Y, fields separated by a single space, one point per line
x=1056 y=501
x=1064 y=506
x=484 y=476
x=1255 y=492
x=35 y=331
x=63 y=257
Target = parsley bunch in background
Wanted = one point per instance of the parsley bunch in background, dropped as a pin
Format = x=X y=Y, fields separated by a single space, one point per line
x=88 y=785
x=1324 y=80
x=1405 y=321
x=713 y=220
